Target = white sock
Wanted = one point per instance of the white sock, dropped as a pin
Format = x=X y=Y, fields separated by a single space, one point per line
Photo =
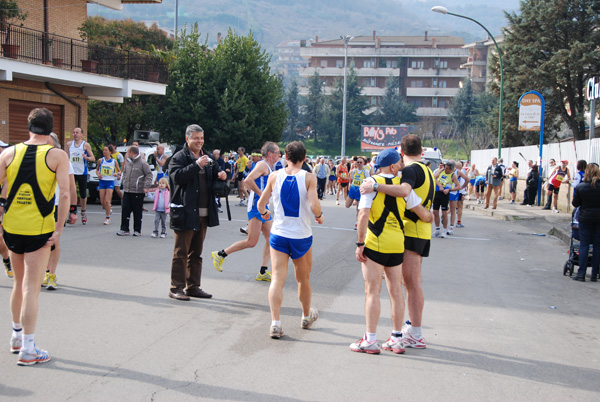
x=416 y=332
x=28 y=344
x=276 y=323
x=370 y=337
x=17 y=330
x=451 y=227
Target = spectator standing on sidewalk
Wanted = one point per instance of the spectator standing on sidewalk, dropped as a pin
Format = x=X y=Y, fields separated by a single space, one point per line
x=136 y=179
x=578 y=176
x=531 y=182
x=322 y=172
x=587 y=198
x=192 y=173
x=559 y=175
x=494 y=179
x=513 y=177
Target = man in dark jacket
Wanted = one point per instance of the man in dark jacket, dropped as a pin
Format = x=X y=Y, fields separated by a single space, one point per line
x=192 y=172
x=533 y=176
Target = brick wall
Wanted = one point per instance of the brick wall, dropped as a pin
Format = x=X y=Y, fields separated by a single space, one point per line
x=34 y=91
x=64 y=16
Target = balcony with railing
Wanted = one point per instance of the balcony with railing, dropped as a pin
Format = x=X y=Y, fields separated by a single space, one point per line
x=37 y=47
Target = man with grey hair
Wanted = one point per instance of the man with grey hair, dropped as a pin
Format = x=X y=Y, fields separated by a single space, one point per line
x=255 y=182
x=192 y=174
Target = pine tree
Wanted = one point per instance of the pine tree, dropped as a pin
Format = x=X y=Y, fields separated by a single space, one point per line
x=394 y=109
x=293 y=114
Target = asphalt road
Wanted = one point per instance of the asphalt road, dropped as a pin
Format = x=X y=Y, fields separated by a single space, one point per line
x=501 y=323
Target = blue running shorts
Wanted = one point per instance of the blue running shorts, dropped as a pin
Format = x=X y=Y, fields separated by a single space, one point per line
x=255 y=214
x=106 y=185
x=295 y=248
x=354 y=193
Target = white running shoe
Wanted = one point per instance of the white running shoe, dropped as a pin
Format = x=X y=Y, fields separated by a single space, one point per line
x=409 y=340
x=396 y=347
x=362 y=346
x=437 y=233
x=450 y=232
x=442 y=235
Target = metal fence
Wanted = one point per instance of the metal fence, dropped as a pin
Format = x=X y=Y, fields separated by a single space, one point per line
x=39 y=47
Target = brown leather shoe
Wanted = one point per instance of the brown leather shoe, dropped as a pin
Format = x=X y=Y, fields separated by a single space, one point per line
x=178 y=295
x=198 y=293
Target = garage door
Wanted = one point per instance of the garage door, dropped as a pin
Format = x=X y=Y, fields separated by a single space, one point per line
x=18 y=111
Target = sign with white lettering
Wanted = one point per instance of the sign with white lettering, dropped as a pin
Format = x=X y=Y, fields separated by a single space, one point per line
x=382 y=137
x=530 y=112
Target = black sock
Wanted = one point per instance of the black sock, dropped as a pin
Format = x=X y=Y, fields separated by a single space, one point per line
x=6 y=259
x=222 y=253
x=263 y=269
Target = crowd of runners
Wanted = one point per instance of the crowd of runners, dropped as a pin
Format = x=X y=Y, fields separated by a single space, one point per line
x=396 y=195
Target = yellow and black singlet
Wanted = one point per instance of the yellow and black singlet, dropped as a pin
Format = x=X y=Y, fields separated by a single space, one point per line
x=385 y=233
x=31 y=186
x=423 y=185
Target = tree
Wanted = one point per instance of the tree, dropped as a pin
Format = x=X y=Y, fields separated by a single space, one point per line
x=461 y=110
x=117 y=121
x=315 y=104
x=124 y=34
x=355 y=107
x=553 y=47
x=293 y=121
x=230 y=92
x=394 y=109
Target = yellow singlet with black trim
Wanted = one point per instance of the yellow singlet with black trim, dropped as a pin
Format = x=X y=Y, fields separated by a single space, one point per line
x=385 y=233
x=31 y=187
x=413 y=226
x=358 y=177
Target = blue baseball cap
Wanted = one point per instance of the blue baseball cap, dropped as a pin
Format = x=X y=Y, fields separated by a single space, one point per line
x=387 y=157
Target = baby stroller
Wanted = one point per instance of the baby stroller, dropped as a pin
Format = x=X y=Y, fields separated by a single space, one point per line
x=574 y=245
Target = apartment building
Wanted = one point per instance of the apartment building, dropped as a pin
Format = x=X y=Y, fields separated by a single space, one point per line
x=289 y=60
x=426 y=67
x=44 y=63
x=477 y=62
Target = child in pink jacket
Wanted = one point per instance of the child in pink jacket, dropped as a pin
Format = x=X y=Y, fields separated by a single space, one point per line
x=161 y=206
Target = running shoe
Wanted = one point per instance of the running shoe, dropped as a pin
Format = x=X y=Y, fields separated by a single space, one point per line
x=123 y=233
x=363 y=346
x=163 y=235
x=15 y=344
x=46 y=278
x=555 y=210
x=217 y=261
x=264 y=277
x=337 y=202
x=276 y=332
x=137 y=233
x=28 y=358
x=409 y=340
x=437 y=233
x=83 y=218
x=312 y=317
x=51 y=282
x=154 y=235
x=450 y=232
x=8 y=269
x=442 y=235
x=107 y=221
x=244 y=230
x=396 y=347
x=460 y=225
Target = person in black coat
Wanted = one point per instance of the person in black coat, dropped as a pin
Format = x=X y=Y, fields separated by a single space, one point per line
x=587 y=198
x=531 y=183
x=192 y=173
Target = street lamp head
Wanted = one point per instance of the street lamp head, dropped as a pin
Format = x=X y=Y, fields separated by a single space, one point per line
x=439 y=9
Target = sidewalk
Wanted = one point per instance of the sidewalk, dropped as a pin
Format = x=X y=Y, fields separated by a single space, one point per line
x=542 y=221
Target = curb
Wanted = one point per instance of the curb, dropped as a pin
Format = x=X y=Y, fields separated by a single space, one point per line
x=563 y=234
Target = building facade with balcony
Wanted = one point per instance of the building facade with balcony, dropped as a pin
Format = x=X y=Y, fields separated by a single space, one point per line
x=477 y=62
x=289 y=60
x=426 y=67
x=43 y=63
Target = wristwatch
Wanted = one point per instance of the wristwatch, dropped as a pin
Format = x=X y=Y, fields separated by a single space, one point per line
x=375 y=186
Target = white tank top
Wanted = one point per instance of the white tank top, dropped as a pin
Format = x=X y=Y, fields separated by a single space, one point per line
x=107 y=169
x=291 y=209
x=76 y=157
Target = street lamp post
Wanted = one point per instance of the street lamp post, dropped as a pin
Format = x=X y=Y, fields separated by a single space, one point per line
x=346 y=39
x=444 y=10
x=176 y=16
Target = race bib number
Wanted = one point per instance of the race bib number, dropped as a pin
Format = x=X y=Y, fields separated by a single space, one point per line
x=106 y=171
x=76 y=159
x=356 y=182
x=343 y=175
x=560 y=178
